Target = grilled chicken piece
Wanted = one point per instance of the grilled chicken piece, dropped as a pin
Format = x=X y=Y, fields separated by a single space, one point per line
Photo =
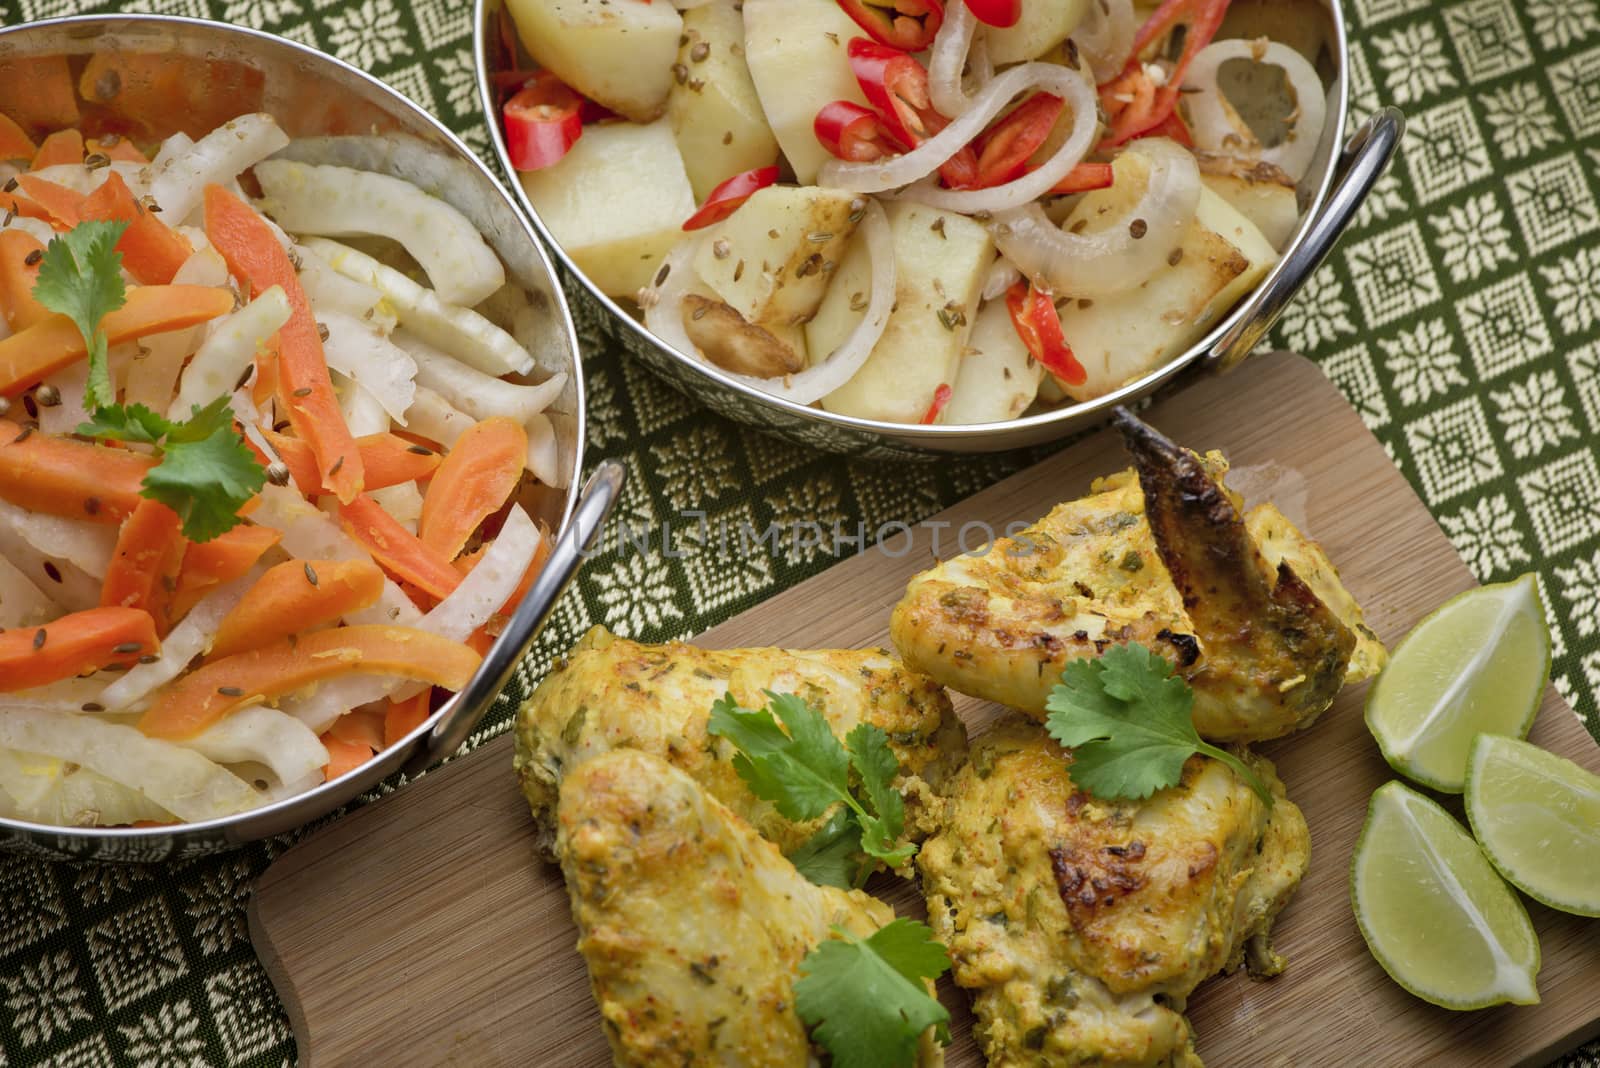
x=692 y=925
x=1250 y=610
x=1082 y=925
x=611 y=693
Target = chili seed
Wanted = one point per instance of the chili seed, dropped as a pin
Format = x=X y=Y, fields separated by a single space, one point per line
x=91 y=505
x=33 y=257
x=47 y=395
x=311 y=574
x=303 y=391
x=1138 y=228
x=230 y=691
x=127 y=647
x=39 y=636
x=278 y=473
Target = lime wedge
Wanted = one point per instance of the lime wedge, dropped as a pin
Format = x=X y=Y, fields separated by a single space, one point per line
x=1434 y=912
x=1537 y=817
x=1477 y=665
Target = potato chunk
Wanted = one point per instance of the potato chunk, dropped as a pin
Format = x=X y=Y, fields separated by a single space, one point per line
x=1262 y=194
x=714 y=110
x=1041 y=27
x=796 y=53
x=616 y=203
x=996 y=379
x=771 y=259
x=941 y=259
x=616 y=52
x=1121 y=337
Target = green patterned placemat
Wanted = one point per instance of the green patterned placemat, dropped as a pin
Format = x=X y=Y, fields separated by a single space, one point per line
x=1461 y=316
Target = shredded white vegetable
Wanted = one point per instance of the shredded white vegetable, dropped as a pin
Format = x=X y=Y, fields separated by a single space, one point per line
x=81 y=179
x=71 y=382
x=330 y=291
x=63 y=582
x=436 y=418
x=22 y=602
x=322 y=707
x=373 y=362
x=85 y=546
x=363 y=413
x=454 y=329
x=491 y=583
x=265 y=736
x=229 y=352
x=471 y=391
x=45 y=789
x=180 y=781
x=544 y=453
x=403 y=502
x=178 y=181
x=153 y=374
x=191 y=637
x=338 y=201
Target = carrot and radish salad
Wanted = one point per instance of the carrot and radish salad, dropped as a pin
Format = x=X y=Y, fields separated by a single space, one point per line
x=266 y=433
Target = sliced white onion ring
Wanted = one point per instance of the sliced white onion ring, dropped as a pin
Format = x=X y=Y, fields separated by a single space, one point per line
x=664 y=316
x=1105 y=37
x=881 y=175
x=1001 y=277
x=947 y=58
x=1108 y=259
x=1217 y=126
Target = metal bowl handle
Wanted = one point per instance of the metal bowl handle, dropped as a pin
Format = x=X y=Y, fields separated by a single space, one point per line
x=466 y=708
x=1364 y=159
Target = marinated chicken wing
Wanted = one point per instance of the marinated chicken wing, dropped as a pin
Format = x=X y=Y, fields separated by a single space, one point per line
x=1082 y=925
x=691 y=924
x=611 y=693
x=1250 y=610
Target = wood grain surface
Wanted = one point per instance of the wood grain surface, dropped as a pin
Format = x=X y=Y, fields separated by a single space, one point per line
x=422 y=930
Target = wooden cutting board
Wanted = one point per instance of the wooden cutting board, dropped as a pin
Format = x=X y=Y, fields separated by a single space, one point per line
x=422 y=930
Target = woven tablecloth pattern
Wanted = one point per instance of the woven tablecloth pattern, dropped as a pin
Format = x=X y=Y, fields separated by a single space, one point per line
x=1460 y=315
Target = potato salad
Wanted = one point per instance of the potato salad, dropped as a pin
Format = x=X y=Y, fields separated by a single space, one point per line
x=919 y=211
x=267 y=431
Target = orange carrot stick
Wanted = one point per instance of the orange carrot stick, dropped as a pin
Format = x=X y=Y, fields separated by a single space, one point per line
x=59 y=476
x=38 y=92
x=363 y=726
x=403 y=717
x=64 y=206
x=73 y=645
x=47 y=346
x=304 y=389
x=400 y=552
x=293 y=597
x=480 y=473
x=209 y=564
x=63 y=146
x=151 y=250
x=17 y=279
x=14 y=141
x=213 y=690
x=343 y=756
x=389 y=460
x=144 y=568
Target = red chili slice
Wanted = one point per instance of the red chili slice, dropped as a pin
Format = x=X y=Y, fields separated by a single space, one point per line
x=909 y=25
x=1005 y=148
x=542 y=123
x=1033 y=313
x=726 y=198
x=1135 y=104
x=1084 y=177
x=855 y=133
x=896 y=85
x=941 y=397
x=1001 y=13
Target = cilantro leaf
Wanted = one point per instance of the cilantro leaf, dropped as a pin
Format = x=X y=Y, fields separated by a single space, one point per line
x=80 y=277
x=126 y=422
x=803 y=770
x=832 y=856
x=864 y=999
x=1127 y=719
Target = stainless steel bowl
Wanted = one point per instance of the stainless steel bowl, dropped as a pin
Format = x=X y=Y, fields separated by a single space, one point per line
x=1331 y=192
x=338 y=115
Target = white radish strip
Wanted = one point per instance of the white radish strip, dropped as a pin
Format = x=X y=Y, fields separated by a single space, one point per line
x=45 y=789
x=435 y=418
x=881 y=175
x=71 y=382
x=330 y=291
x=260 y=735
x=339 y=201
x=1219 y=129
x=37 y=229
x=322 y=707
x=188 y=639
x=491 y=583
x=278 y=791
x=180 y=781
x=85 y=546
x=175 y=147
x=153 y=374
x=363 y=413
x=403 y=502
x=544 y=454
x=22 y=602
x=454 y=329
x=66 y=695
x=1108 y=259
x=473 y=392
x=1105 y=37
x=229 y=352
x=373 y=362
x=664 y=316
x=81 y=179
x=65 y=584
x=948 y=57
x=178 y=182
